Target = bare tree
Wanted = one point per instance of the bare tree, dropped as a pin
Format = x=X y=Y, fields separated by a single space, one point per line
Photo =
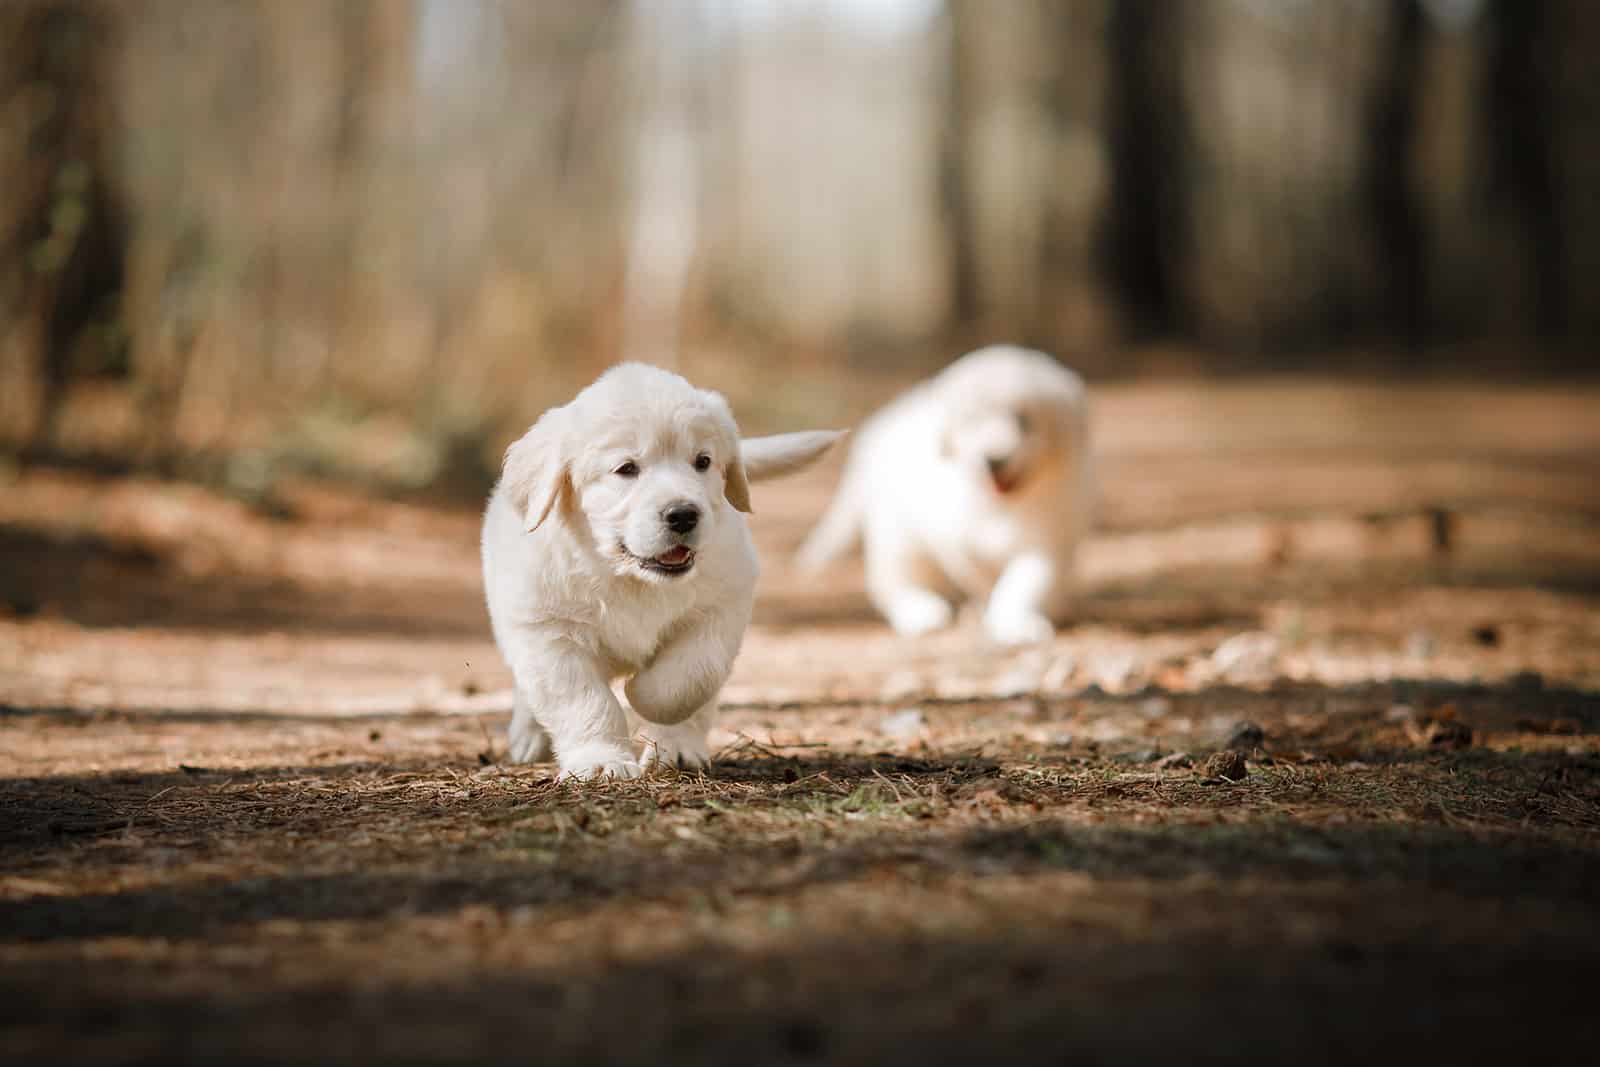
x=61 y=226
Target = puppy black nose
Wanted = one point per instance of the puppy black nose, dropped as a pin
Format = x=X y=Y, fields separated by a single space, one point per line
x=681 y=518
x=996 y=463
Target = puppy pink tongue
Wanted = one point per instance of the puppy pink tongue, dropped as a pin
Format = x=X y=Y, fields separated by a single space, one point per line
x=672 y=557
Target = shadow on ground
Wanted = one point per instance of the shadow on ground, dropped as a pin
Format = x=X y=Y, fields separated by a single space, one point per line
x=1131 y=969
x=99 y=584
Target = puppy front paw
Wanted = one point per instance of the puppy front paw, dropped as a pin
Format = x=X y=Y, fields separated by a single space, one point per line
x=915 y=612
x=654 y=701
x=685 y=749
x=599 y=761
x=1018 y=628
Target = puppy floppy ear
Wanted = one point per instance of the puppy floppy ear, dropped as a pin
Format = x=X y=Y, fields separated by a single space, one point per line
x=736 y=487
x=535 y=472
x=736 y=480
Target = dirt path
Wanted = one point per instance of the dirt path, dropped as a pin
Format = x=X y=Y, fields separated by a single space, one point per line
x=251 y=803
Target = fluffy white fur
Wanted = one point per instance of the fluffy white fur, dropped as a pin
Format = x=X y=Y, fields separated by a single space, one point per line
x=593 y=574
x=976 y=483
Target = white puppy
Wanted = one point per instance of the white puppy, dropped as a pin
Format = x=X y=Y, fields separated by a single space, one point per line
x=615 y=547
x=976 y=483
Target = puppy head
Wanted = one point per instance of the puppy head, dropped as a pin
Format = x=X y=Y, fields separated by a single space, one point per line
x=642 y=463
x=1009 y=415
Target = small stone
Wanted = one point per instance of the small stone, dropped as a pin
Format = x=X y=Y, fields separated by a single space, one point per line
x=1420 y=644
x=1154 y=707
x=1058 y=674
x=1400 y=713
x=906 y=722
x=1018 y=680
x=1229 y=764
x=902 y=684
x=1246 y=656
x=1246 y=735
x=1114 y=671
x=1441 y=527
x=1312 y=852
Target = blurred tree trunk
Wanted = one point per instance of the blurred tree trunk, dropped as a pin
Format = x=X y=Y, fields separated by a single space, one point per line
x=955 y=149
x=376 y=129
x=1145 y=227
x=1403 y=311
x=1524 y=60
x=191 y=141
x=1024 y=171
x=61 y=227
x=1573 y=30
x=1280 y=252
x=1505 y=172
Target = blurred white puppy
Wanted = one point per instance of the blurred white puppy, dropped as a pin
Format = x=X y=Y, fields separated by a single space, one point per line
x=976 y=483
x=615 y=546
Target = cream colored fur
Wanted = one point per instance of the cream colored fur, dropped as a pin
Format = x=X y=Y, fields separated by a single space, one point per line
x=583 y=578
x=977 y=483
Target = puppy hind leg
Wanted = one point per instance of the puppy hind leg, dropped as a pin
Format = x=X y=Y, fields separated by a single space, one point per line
x=901 y=583
x=1059 y=602
x=528 y=741
x=1016 y=612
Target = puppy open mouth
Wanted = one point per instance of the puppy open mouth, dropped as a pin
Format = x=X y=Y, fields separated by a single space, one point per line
x=1006 y=481
x=676 y=560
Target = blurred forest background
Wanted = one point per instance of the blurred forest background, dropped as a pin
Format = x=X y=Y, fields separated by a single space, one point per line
x=375 y=237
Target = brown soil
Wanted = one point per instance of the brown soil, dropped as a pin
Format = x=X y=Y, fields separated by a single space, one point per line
x=1315 y=772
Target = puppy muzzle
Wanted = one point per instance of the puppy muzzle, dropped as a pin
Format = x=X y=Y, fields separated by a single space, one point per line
x=678 y=558
x=1005 y=473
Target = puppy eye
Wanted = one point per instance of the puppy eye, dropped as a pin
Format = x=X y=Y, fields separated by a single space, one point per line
x=702 y=462
x=630 y=469
x=1023 y=422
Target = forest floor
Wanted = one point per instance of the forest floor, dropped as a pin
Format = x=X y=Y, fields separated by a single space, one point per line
x=253 y=803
